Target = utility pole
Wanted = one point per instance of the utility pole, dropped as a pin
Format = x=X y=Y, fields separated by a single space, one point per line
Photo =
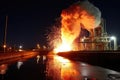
x=5 y=34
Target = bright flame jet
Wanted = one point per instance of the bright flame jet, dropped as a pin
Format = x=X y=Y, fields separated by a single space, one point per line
x=77 y=16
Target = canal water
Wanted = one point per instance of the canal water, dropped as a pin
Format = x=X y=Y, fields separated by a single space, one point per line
x=54 y=68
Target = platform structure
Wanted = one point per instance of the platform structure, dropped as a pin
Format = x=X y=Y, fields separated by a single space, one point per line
x=98 y=39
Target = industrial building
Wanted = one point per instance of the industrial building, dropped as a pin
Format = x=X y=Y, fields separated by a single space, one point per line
x=98 y=39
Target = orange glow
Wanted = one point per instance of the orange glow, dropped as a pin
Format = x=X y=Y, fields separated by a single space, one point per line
x=61 y=59
x=3 y=68
x=62 y=47
x=73 y=19
x=4 y=46
x=67 y=70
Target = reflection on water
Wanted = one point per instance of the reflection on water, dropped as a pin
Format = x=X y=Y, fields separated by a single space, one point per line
x=3 y=68
x=68 y=70
x=60 y=68
x=19 y=64
x=38 y=58
x=52 y=68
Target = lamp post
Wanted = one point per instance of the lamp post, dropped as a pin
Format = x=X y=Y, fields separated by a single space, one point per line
x=5 y=34
x=4 y=47
x=115 y=41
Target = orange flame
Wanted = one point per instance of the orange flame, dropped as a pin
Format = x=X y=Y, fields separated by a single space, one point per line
x=73 y=18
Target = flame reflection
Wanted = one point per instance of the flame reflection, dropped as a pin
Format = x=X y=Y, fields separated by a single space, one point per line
x=3 y=68
x=62 y=69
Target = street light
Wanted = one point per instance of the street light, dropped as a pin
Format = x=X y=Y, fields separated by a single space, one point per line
x=115 y=41
x=4 y=47
x=20 y=48
x=5 y=34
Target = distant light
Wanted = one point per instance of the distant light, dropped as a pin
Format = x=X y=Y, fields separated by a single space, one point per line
x=20 y=46
x=20 y=50
x=4 y=46
x=115 y=42
x=82 y=39
x=38 y=46
x=112 y=37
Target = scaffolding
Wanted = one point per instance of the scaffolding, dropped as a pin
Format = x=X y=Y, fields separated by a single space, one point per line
x=98 y=39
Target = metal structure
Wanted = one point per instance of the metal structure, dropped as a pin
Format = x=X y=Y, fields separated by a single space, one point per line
x=98 y=39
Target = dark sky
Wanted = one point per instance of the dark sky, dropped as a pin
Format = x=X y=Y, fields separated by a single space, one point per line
x=28 y=21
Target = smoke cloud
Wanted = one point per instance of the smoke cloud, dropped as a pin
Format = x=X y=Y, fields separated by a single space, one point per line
x=82 y=14
x=91 y=9
x=79 y=15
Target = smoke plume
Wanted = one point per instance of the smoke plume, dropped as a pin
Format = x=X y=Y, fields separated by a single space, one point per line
x=91 y=9
x=80 y=15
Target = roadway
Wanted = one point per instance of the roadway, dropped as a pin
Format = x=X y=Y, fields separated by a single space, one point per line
x=16 y=56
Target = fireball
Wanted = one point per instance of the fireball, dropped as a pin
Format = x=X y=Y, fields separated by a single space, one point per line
x=77 y=16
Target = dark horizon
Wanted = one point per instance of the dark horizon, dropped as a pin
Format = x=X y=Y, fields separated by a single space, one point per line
x=28 y=22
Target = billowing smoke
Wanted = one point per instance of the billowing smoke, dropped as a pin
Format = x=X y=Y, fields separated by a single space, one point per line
x=90 y=8
x=80 y=15
x=77 y=16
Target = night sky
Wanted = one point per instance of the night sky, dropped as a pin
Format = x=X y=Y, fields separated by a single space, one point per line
x=29 y=21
